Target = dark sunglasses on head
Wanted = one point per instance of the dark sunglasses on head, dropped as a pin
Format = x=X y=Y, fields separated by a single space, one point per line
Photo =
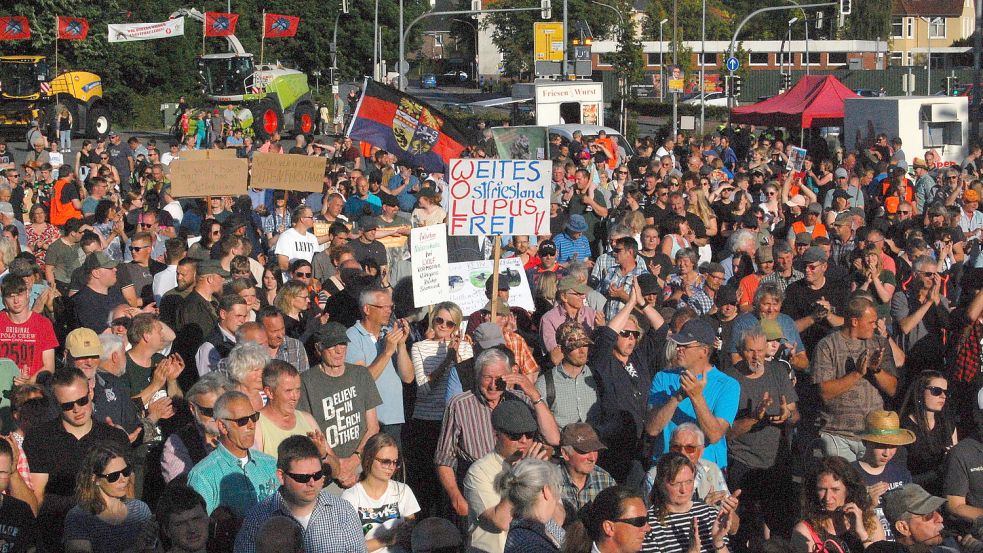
x=937 y=391
x=81 y=402
x=116 y=474
x=632 y=333
x=637 y=522
x=243 y=421
x=305 y=478
x=519 y=436
x=679 y=448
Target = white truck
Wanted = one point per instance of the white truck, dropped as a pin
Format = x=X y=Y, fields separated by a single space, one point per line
x=939 y=123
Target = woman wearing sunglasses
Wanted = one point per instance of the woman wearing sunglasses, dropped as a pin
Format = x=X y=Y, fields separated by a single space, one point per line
x=925 y=413
x=386 y=507
x=679 y=522
x=433 y=359
x=105 y=519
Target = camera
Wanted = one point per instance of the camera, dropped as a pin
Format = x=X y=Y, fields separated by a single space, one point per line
x=820 y=312
x=500 y=384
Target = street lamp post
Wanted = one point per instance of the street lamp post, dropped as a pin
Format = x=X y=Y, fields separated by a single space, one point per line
x=806 y=22
x=474 y=68
x=675 y=95
x=703 y=49
x=928 y=63
x=662 y=65
x=791 y=56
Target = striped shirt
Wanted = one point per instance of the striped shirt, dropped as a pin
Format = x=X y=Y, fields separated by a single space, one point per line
x=427 y=355
x=467 y=433
x=672 y=534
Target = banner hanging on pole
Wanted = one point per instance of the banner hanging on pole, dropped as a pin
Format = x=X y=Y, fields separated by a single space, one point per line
x=220 y=24
x=72 y=28
x=14 y=27
x=132 y=32
x=279 y=26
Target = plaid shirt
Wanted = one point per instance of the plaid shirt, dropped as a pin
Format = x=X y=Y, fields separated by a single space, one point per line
x=694 y=297
x=575 y=498
x=781 y=281
x=969 y=354
x=840 y=251
x=334 y=525
x=614 y=276
x=292 y=351
x=274 y=222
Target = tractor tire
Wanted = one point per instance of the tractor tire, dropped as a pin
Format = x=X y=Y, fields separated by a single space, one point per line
x=97 y=124
x=268 y=119
x=305 y=120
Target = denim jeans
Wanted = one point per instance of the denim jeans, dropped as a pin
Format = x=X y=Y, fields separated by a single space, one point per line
x=66 y=139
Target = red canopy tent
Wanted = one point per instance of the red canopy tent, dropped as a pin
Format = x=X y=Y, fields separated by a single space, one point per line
x=814 y=100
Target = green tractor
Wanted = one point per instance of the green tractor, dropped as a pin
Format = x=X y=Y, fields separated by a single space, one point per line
x=269 y=98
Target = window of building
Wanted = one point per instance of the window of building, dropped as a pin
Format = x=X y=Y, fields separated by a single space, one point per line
x=897 y=27
x=758 y=58
x=709 y=59
x=936 y=28
x=814 y=58
x=837 y=58
x=652 y=58
x=606 y=59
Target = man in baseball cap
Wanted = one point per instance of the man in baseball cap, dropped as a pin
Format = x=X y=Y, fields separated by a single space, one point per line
x=694 y=386
x=914 y=516
x=582 y=479
x=570 y=388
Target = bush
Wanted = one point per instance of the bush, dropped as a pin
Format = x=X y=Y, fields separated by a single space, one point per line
x=652 y=108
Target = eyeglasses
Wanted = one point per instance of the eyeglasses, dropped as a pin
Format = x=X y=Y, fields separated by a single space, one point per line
x=683 y=448
x=146 y=225
x=617 y=250
x=517 y=437
x=543 y=253
x=302 y=275
x=388 y=463
x=305 y=478
x=928 y=273
x=630 y=334
x=440 y=321
x=623 y=172
x=81 y=402
x=389 y=306
x=116 y=474
x=637 y=522
x=138 y=248
x=243 y=421
x=904 y=212
x=937 y=391
x=207 y=411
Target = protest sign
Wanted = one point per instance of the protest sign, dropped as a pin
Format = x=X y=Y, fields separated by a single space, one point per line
x=209 y=177
x=288 y=172
x=499 y=196
x=520 y=142
x=796 y=159
x=213 y=153
x=428 y=254
x=467 y=284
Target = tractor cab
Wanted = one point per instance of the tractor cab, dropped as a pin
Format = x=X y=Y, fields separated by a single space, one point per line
x=224 y=76
x=22 y=77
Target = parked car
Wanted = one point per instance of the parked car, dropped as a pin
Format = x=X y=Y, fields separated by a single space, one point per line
x=718 y=99
x=428 y=80
x=590 y=131
x=454 y=77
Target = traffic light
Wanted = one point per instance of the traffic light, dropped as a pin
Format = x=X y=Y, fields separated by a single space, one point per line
x=344 y=6
x=736 y=86
x=845 y=7
x=547 y=9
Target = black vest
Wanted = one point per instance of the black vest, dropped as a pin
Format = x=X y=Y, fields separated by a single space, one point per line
x=222 y=344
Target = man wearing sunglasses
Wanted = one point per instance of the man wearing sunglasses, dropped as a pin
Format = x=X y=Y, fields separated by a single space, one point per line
x=57 y=448
x=330 y=523
x=194 y=441
x=234 y=475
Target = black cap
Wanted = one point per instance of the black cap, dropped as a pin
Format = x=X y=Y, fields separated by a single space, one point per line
x=547 y=246
x=513 y=417
x=331 y=335
x=695 y=331
x=727 y=295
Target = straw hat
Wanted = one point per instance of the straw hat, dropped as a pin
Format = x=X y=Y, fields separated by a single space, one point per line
x=883 y=427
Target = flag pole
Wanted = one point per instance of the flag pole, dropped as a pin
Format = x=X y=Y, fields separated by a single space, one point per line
x=204 y=33
x=56 y=45
x=262 y=39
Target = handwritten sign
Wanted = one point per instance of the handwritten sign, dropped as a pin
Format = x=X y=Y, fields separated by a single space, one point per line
x=214 y=153
x=499 y=196
x=209 y=177
x=428 y=255
x=288 y=172
x=467 y=284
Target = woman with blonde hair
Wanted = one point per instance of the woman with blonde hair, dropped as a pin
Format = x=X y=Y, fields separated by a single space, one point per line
x=65 y=130
x=869 y=275
x=294 y=301
x=700 y=206
x=105 y=520
x=433 y=358
x=428 y=211
x=246 y=362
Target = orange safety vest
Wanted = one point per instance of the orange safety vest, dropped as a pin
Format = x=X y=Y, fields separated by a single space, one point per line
x=817 y=231
x=61 y=212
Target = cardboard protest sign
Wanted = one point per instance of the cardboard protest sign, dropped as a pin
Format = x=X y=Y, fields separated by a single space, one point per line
x=498 y=196
x=209 y=177
x=796 y=159
x=191 y=155
x=288 y=172
x=428 y=255
x=467 y=284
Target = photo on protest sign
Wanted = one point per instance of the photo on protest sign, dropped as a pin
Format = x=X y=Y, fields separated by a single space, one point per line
x=209 y=177
x=288 y=172
x=796 y=159
x=520 y=142
x=428 y=255
x=467 y=284
x=214 y=153
x=498 y=196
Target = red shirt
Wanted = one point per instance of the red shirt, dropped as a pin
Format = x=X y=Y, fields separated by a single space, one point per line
x=25 y=344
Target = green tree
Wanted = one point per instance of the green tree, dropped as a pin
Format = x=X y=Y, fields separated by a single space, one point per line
x=513 y=34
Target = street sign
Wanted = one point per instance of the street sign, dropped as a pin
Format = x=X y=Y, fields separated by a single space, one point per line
x=733 y=64
x=548 y=42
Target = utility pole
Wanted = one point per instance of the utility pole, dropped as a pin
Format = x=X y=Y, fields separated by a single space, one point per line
x=703 y=48
x=974 y=113
x=566 y=31
x=675 y=95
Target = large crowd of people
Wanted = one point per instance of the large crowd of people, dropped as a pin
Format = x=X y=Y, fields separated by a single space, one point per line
x=726 y=353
